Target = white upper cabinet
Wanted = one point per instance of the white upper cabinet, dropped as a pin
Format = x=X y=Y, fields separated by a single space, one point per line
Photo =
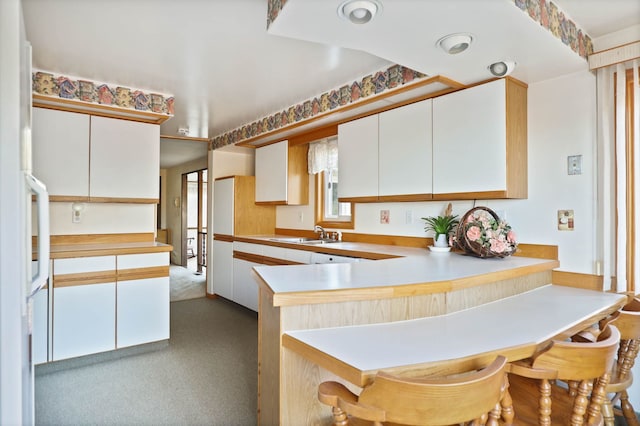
x=223 y=206
x=281 y=174
x=404 y=149
x=358 y=159
x=387 y=157
x=479 y=142
x=79 y=156
x=271 y=172
x=124 y=159
x=60 y=146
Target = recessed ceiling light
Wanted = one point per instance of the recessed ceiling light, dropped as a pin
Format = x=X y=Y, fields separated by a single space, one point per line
x=359 y=11
x=455 y=43
x=502 y=68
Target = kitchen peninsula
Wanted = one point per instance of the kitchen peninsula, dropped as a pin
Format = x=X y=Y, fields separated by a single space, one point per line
x=414 y=284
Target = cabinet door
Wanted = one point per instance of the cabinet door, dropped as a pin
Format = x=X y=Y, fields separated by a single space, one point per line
x=84 y=315
x=143 y=311
x=143 y=303
x=60 y=148
x=271 y=172
x=245 y=288
x=222 y=269
x=84 y=320
x=124 y=159
x=405 y=150
x=358 y=158
x=469 y=140
x=223 y=206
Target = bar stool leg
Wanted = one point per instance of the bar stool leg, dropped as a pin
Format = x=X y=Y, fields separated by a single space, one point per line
x=627 y=409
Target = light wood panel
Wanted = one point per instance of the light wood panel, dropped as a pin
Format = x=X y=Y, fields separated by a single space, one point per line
x=142 y=273
x=84 y=278
x=298 y=175
x=269 y=332
x=574 y=279
x=250 y=218
x=517 y=175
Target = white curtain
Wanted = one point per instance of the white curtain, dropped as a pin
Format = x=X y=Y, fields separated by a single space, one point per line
x=323 y=155
x=612 y=177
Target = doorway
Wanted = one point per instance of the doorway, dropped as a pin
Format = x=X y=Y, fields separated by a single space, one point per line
x=194 y=223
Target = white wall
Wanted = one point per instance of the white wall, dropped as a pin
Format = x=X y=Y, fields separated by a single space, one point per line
x=561 y=122
x=163 y=199
x=102 y=218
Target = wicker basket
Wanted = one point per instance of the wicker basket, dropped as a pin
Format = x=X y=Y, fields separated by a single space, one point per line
x=476 y=248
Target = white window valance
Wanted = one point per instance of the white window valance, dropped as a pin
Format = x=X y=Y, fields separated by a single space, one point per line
x=323 y=155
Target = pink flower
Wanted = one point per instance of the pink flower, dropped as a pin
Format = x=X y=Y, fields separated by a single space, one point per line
x=511 y=237
x=473 y=233
x=498 y=246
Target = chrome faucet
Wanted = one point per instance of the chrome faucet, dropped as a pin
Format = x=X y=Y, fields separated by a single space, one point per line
x=320 y=230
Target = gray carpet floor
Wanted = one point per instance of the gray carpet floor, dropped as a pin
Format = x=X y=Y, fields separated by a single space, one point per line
x=184 y=284
x=205 y=375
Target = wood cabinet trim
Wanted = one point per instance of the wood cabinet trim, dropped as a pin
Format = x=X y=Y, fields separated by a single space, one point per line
x=142 y=273
x=84 y=278
x=224 y=238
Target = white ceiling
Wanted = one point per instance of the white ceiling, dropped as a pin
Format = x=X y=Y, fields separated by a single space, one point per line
x=225 y=70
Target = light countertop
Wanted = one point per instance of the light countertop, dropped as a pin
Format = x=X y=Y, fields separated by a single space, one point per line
x=513 y=326
x=414 y=271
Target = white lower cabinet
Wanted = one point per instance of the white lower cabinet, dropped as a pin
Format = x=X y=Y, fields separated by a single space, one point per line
x=40 y=330
x=245 y=287
x=84 y=318
x=223 y=268
x=143 y=311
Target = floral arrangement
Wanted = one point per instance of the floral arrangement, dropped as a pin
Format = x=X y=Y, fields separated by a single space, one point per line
x=482 y=233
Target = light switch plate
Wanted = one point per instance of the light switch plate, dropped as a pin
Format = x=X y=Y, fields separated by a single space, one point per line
x=574 y=164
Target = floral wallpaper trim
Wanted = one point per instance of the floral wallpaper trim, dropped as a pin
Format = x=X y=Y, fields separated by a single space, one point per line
x=552 y=18
x=390 y=78
x=273 y=9
x=46 y=83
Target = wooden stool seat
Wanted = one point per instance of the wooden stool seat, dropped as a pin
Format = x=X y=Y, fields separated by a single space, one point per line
x=627 y=320
x=564 y=384
x=428 y=401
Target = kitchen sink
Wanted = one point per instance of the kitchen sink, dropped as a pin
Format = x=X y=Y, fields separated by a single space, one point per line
x=302 y=240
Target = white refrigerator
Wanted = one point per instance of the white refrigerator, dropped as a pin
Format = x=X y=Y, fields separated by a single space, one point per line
x=18 y=284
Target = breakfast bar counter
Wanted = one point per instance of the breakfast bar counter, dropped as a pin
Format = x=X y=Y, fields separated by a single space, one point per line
x=413 y=284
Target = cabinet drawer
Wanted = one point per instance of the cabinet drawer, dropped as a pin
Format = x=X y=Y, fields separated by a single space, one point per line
x=130 y=261
x=249 y=248
x=84 y=264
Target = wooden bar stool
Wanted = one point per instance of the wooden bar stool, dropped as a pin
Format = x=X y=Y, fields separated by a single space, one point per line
x=536 y=384
x=627 y=320
x=426 y=401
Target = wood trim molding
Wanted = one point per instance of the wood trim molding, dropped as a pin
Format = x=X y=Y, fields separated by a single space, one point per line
x=537 y=251
x=84 y=278
x=83 y=199
x=146 y=237
x=70 y=105
x=482 y=195
x=263 y=260
x=222 y=237
x=142 y=273
x=185 y=138
x=404 y=198
x=578 y=280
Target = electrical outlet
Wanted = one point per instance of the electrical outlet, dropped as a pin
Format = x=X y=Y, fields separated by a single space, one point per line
x=408 y=217
x=384 y=217
x=574 y=164
x=300 y=216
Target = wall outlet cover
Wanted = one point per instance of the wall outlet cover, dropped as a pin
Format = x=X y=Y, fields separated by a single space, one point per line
x=565 y=220
x=574 y=164
x=384 y=216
